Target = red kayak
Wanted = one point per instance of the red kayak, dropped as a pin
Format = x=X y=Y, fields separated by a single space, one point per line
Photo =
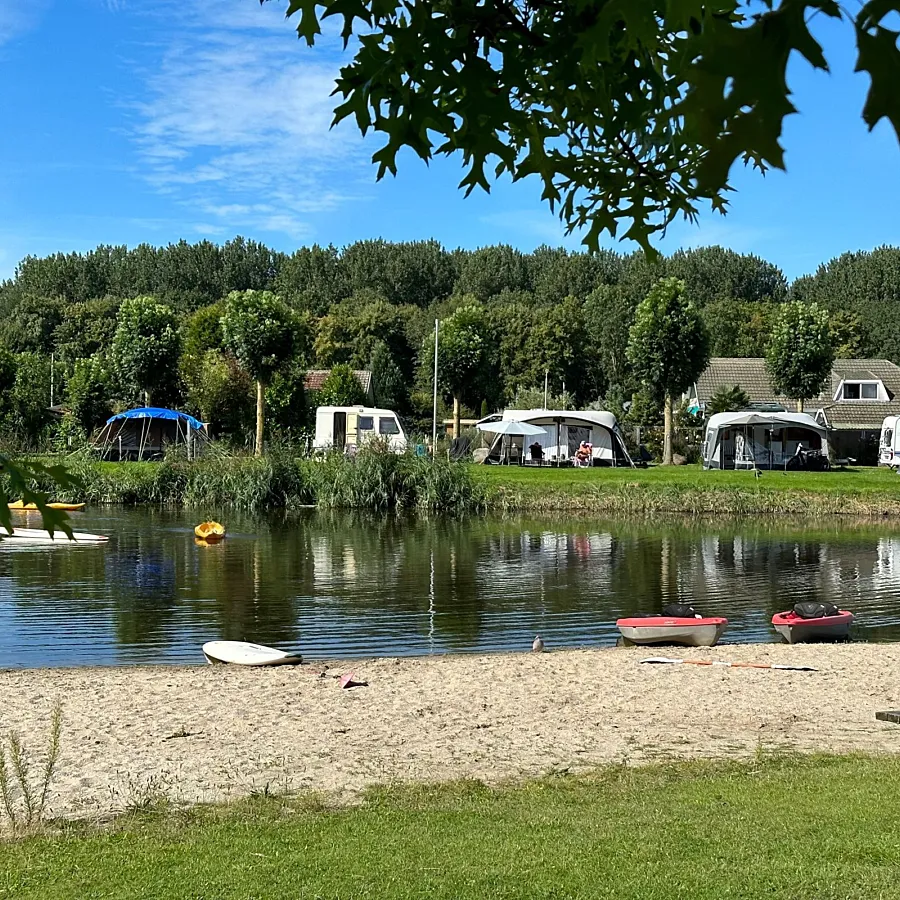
x=693 y=631
x=795 y=629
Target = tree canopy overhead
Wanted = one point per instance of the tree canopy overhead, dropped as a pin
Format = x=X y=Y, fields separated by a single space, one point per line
x=627 y=112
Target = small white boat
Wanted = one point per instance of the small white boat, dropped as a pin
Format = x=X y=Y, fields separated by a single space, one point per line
x=42 y=536
x=693 y=632
x=242 y=653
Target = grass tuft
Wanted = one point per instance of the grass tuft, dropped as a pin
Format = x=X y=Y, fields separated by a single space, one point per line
x=24 y=801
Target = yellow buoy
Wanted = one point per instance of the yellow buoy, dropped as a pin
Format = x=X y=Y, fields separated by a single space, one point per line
x=210 y=532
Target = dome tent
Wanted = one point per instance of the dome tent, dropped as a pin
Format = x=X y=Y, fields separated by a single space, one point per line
x=145 y=432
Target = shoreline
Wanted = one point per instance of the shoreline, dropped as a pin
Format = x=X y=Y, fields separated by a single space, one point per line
x=389 y=483
x=134 y=736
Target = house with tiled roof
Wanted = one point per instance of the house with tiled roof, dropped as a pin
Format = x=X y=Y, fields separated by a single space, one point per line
x=315 y=378
x=857 y=396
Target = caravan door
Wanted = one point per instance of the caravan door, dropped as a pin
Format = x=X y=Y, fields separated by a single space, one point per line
x=339 y=431
x=888 y=452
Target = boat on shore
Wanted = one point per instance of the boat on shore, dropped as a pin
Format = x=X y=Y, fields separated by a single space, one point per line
x=690 y=631
x=20 y=506
x=243 y=653
x=42 y=536
x=796 y=629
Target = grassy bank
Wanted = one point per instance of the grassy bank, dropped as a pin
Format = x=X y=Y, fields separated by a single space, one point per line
x=382 y=481
x=786 y=828
x=374 y=481
x=688 y=489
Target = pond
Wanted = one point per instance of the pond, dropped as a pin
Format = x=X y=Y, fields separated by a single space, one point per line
x=343 y=585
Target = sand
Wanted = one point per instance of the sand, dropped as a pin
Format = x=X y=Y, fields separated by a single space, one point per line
x=134 y=736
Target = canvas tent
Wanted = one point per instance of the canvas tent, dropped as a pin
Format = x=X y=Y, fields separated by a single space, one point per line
x=144 y=433
x=562 y=431
x=761 y=440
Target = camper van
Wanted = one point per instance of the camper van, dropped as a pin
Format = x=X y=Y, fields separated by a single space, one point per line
x=889 y=443
x=349 y=427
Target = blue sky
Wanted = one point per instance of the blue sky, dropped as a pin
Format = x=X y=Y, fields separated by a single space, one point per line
x=153 y=120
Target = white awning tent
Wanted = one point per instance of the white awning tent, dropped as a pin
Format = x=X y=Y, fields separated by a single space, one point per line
x=762 y=440
x=560 y=434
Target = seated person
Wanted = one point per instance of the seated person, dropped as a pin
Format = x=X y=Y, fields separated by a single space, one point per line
x=583 y=454
x=537 y=451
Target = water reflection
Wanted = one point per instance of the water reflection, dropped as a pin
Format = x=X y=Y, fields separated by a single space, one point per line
x=349 y=585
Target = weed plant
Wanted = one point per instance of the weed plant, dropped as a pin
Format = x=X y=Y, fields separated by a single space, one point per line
x=23 y=796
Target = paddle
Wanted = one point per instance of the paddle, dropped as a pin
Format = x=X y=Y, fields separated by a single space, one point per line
x=719 y=662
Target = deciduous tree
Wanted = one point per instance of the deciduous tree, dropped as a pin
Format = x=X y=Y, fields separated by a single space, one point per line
x=800 y=353
x=668 y=347
x=259 y=330
x=467 y=358
x=89 y=392
x=341 y=387
x=145 y=348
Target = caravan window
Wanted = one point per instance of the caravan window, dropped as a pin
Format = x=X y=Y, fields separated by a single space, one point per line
x=366 y=423
x=388 y=425
x=887 y=438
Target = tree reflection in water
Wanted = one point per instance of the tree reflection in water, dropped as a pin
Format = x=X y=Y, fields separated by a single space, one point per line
x=349 y=584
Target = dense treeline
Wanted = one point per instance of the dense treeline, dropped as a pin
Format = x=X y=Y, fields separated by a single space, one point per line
x=124 y=325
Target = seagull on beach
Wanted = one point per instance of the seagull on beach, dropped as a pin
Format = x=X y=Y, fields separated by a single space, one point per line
x=538 y=644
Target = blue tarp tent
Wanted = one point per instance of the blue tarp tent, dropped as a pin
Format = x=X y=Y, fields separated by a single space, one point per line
x=145 y=432
x=157 y=412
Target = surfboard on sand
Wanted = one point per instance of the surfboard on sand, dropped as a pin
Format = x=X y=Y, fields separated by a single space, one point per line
x=243 y=653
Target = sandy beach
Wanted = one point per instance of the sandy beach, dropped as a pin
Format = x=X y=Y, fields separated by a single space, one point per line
x=136 y=735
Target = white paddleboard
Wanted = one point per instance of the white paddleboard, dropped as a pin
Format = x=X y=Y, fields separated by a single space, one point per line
x=42 y=536
x=242 y=653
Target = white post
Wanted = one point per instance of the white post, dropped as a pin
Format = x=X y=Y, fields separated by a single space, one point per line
x=435 y=408
x=546 y=378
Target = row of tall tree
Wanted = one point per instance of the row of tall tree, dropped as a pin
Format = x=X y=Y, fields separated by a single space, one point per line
x=222 y=331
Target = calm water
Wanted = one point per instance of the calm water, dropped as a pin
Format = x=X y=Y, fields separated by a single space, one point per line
x=345 y=586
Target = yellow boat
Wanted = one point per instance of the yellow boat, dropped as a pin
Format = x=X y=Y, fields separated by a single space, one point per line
x=210 y=532
x=32 y=507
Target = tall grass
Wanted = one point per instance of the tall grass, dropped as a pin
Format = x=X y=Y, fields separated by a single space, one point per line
x=23 y=797
x=376 y=479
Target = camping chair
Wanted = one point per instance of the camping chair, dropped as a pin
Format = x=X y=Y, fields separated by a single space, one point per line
x=745 y=459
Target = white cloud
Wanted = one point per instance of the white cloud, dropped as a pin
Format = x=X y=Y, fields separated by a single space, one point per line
x=235 y=123
x=17 y=17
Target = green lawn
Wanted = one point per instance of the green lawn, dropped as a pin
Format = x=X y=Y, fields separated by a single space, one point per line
x=776 y=828
x=855 y=480
x=859 y=491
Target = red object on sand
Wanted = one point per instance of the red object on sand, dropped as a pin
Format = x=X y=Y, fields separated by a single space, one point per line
x=347 y=680
x=794 y=628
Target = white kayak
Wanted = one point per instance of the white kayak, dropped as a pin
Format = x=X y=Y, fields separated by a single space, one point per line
x=242 y=653
x=42 y=536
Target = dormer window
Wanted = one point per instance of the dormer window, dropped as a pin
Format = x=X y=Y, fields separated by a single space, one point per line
x=861 y=390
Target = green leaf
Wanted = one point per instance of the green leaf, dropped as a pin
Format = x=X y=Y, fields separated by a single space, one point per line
x=879 y=56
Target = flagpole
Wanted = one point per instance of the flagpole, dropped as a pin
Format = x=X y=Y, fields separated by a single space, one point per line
x=434 y=412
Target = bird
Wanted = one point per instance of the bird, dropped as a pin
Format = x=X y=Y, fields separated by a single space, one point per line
x=538 y=644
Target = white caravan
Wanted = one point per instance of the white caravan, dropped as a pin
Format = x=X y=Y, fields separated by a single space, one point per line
x=349 y=427
x=889 y=443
